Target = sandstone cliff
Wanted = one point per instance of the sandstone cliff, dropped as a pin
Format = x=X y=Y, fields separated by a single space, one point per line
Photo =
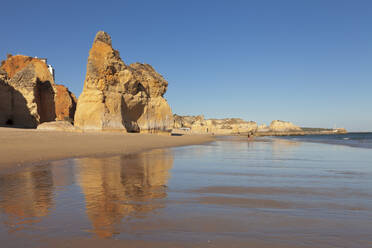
x=65 y=102
x=31 y=90
x=283 y=126
x=196 y=123
x=121 y=97
x=263 y=128
x=227 y=126
x=232 y=126
x=28 y=92
x=14 y=64
x=5 y=99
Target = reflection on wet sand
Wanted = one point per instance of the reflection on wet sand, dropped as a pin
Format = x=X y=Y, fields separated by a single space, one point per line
x=122 y=186
x=26 y=197
x=229 y=194
x=282 y=148
x=114 y=188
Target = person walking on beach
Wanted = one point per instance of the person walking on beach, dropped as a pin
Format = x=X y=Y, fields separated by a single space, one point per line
x=250 y=135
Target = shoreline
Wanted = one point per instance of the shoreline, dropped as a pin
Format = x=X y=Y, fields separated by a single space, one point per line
x=297 y=133
x=21 y=147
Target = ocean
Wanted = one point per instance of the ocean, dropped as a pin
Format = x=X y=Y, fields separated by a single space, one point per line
x=363 y=140
x=233 y=193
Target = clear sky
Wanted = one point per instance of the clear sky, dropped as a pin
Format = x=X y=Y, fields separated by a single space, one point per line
x=305 y=61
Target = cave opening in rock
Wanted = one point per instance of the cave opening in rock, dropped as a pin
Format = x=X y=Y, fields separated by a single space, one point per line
x=9 y=122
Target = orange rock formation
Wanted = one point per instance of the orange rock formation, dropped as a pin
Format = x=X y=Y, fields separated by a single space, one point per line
x=16 y=63
x=30 y=94
x=65 y=103
x=121 y=97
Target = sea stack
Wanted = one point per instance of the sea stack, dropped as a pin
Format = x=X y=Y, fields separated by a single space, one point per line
x=121 y=97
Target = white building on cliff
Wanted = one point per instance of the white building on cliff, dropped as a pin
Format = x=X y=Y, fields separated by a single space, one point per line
x=50 y=67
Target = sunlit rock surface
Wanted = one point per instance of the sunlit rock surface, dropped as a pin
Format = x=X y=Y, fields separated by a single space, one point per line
x=283 y=126
x=198 y=124
x=65 y=103
x=121 y=97
x=29 y=92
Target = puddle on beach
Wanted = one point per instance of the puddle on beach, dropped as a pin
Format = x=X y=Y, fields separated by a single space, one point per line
x=228 y=193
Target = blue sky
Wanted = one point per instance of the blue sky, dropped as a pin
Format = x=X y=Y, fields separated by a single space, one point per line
x=308 y=61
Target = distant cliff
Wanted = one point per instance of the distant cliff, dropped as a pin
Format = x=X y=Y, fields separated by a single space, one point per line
x=200 y=125
x=236 y=126
x=284 y=128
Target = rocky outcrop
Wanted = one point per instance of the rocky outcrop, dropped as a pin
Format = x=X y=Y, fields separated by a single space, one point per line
x=236 y=126
x=283 y=126
x=121 y=97
x=29 y=92
x=3 y=75
x=197 y=124
x=57 y=126
x=231 y=126
x=340 y=130
x=32 y=95
x=263 y=128
x=194 y=123
x=5 y=99
x=13 y=64
x=65 y=103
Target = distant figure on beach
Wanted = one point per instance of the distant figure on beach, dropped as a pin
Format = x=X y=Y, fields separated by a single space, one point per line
x=250 y=136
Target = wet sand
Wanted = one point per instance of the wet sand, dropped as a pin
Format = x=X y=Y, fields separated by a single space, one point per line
x=229 y=193
x=25 y=146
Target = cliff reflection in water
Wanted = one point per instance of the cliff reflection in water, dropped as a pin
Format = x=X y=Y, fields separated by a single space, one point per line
x=123 y=186
x=26 y=197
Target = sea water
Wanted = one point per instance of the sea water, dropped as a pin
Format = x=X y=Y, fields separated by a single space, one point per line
x=228 y=193
x=350 y=139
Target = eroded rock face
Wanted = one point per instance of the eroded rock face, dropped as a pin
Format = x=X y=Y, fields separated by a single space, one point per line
x=121 y=97
x=32 y=100
x=5 y=99
x=14 y=64
x=283 y=126
x=194 y=122
x=30 y=87
x=232 y=126
x=197 y=124
x=65 y=104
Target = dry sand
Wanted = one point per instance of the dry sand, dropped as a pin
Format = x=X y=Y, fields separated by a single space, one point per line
x=25 y=146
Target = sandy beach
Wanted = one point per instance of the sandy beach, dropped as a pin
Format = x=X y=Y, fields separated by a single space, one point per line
x=25 y=146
